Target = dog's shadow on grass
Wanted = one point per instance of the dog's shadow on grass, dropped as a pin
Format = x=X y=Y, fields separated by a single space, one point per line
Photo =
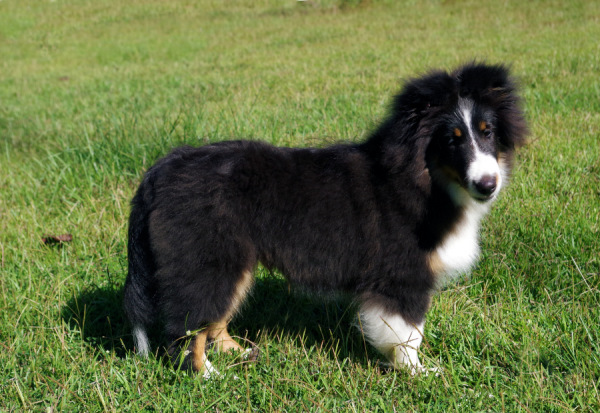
x=273 y=309
x=277 y=310
x=97 y=313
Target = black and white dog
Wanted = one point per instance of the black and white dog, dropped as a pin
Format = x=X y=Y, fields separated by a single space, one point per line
x=386 y=220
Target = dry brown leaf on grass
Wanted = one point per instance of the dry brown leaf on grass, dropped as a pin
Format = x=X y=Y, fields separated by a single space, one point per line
x=57 y=239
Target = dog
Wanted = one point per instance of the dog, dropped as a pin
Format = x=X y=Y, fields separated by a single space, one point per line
x=387 y=220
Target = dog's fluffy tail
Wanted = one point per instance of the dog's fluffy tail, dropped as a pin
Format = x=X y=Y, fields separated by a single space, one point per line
x=140 y=294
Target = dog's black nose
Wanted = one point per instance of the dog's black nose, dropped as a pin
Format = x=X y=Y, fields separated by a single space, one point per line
x=486 y=185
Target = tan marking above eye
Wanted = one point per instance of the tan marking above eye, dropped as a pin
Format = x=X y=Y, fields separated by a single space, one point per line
x=457 y=132
x=482 y=125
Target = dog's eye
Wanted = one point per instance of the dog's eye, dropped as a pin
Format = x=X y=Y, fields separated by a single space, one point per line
x=456 y=136
x=485 y=128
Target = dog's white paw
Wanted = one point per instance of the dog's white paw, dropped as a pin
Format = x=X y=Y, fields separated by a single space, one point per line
x=209 y=371
x=426 y=371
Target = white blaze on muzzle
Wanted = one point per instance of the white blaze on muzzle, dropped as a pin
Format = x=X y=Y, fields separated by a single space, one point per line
x=484 y=178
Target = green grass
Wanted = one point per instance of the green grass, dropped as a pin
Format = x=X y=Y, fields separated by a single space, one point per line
x=91 y=93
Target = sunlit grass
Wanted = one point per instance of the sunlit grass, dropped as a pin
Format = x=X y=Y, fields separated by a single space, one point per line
x=91 y=93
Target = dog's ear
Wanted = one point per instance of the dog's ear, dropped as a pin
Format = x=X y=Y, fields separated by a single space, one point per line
x=424 y=94
x=493 y=86
x=478 y=80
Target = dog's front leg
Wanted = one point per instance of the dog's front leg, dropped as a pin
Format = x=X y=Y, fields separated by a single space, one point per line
x=397 y=339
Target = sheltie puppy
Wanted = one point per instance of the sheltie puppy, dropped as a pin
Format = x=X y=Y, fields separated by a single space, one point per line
x=386 y=220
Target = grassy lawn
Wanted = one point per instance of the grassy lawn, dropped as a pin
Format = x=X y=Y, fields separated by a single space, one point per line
x=92 y=92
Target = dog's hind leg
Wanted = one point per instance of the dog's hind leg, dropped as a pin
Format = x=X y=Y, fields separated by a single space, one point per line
x=221 y=338
x=222 y=341
x=200 y=362
x=217 y=332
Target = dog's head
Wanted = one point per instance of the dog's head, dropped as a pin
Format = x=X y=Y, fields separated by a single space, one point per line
x=472 y=121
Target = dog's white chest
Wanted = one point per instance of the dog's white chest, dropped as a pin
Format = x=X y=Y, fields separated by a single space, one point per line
x=459 y=250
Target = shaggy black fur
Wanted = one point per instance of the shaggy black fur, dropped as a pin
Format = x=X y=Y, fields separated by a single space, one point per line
x=361 y=218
